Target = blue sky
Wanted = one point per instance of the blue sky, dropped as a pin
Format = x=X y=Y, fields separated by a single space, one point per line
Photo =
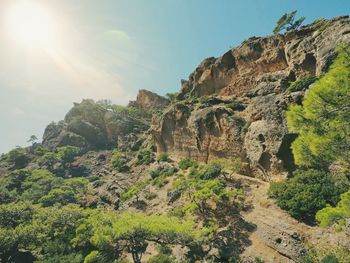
x=110 y=49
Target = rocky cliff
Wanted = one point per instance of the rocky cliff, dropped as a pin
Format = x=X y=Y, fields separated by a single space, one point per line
x=89 y=125
x=234 y=105
x=147 y=100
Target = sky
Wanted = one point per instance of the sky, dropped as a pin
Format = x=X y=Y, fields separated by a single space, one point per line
x=109 y=49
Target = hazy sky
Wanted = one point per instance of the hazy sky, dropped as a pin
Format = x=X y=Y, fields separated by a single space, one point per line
x=108 y=49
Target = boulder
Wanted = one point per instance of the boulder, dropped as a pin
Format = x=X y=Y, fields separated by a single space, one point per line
x=147 y=100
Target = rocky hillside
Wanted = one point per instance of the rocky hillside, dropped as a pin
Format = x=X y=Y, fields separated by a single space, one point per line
x=186 y=178
x=234 y=105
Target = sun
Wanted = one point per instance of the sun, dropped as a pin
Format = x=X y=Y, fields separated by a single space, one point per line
x=31 y=25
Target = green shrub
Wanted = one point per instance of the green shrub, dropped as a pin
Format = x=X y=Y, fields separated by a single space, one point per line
x=306 y=193
x=150 y=195
x=163 y=170
x=187 y=163
x=144 y=156
x=206 y=172
x=236 y=106
x=160 y=181
x=161 y=258
x=66 y=154
x=134 y=190
x=331 y=215
x=245 y=127
x=18 y=157
x=330 y=259
x=163 y=157
x=302 y=84
x=120 y=161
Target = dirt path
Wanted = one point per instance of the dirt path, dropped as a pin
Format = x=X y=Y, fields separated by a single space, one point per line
x=276 y=230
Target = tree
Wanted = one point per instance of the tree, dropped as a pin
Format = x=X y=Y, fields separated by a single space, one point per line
x=306 y=193
x=202 y=191
x=323 y=119
x=112 y=234
x=335 y=215
x=43 y=232
x=32 y=139
x=286 y=22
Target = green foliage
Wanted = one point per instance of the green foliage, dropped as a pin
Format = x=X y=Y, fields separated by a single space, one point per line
x=201 y=191
x=184 y=164
x=42 y=187
x=163 y=157
x=66 y=154
x=18 y=157
x=206 y=172
x=32 y=139
x=306 y=193
x=286 y=22
x=236 y=106
x=120 y=161
x=245 y=127
x=335 y=215
x=302 y=84
x=228 y=166
x=134 y=190
x=323 y=121
x=172 y=96
x=125 y=110
x=163 y=170
x=150 y=195
x=131 y=232
x=45 y=232
x=144 y=156
x=162 y=258
x=330 y=259
x=325 y=252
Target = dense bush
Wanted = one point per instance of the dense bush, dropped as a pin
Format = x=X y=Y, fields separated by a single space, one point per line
x=302 y=84
x=120 y=161
x=306 y=193
x=335 y=215
x=42 y=232
x=206 y=172
x=42 y=187
x=236 y=106
x=187 y=163
x=18 y=157
x=203 y=191
x=161 y=258
x=163 y=157
x=144 y=156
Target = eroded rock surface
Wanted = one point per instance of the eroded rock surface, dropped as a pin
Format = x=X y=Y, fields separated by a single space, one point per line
x=88 y=126
x=147 y=100
x=248 y=84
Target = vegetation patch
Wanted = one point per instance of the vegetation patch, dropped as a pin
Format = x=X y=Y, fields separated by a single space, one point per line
x=302 y=84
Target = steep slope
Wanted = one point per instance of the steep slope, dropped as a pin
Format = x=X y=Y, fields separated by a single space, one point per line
x=234 y=105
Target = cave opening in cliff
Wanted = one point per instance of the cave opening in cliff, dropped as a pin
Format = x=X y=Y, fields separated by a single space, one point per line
x=309 y=64
x=285 y=153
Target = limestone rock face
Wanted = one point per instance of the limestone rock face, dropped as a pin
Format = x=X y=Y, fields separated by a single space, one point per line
x=197 y=133
x=88 y=125
x=275 y=59
x=247 y=87
x=147 y=100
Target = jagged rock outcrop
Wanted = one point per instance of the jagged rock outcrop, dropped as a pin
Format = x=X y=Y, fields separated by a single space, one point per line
x=147 y=100
x=254 y=75
x=89 y=125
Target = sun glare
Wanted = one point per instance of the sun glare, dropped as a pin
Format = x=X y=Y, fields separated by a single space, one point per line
x=30 y=24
